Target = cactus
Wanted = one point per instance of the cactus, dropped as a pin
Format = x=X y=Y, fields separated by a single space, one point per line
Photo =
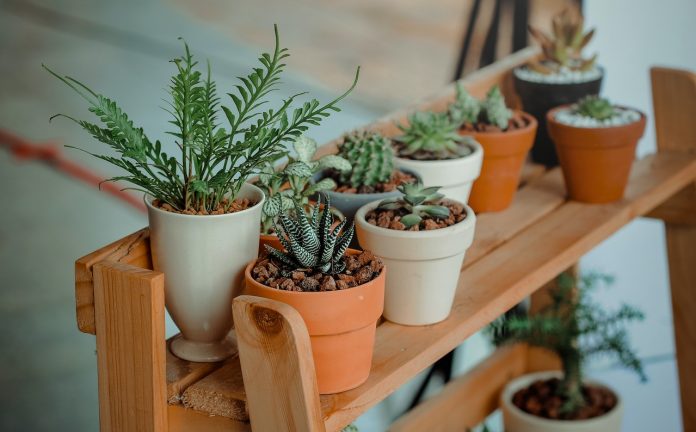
x=564 y=48
x=371 y=157
x=432 y=135
x=495 y=110
x=309 y=241
x=595 y=107
x=465 y=108
x=418 y=202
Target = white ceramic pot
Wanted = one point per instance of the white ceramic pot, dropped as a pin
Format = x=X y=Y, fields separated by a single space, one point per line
x=203 y=260
x=424 y=266
x=455 y=176
x=516 y=420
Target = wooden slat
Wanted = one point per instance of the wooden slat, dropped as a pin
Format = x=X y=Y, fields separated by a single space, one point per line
x=276 y=357
x=182 y=373
x=133 y=249
x=678 y=210
x=187 y=420
x=130 y=348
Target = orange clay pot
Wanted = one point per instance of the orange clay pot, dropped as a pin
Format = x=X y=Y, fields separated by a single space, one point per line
x=341 y=326
x=270 y=240
x=503 y=156
x=596 y=162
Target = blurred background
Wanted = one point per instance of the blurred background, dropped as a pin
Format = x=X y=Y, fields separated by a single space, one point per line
x=407 y=49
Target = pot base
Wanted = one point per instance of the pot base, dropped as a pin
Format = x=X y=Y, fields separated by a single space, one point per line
x=203 y=352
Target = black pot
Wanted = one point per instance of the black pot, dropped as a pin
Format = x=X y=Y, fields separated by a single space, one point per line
x=538 y=98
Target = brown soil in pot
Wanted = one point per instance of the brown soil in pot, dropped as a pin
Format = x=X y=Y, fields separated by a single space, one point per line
x=391 y=219
x=517 y=121
x=236 y=206
x=360 y=269
x=397 y=179
x=540 y=399
x=429 y=156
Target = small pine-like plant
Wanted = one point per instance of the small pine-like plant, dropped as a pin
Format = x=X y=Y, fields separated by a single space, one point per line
x=575 y=329
x=371 y=157
x=466 y=109
x=215 y=161
x=418 y=201
x=595 y=107
x=431 y=135
x=494 y=109
x=563 y=49
x=310 y=242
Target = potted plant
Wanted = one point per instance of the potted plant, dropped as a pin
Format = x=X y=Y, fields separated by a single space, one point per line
x=372 y=175
x=562 y=76
x=596 y=143
x=506 y=137
x=422 y=238
x=339 y=292
x=574 y=328
x=431 y=147
x=203 y=215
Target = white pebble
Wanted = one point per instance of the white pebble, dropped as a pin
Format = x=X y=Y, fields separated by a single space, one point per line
x=622 y=117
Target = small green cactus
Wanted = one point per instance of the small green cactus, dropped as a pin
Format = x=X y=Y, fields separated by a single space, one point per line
x=495 y=110
x=371 y=157
x=309 y=241
x=418 y=201
x=465 y=108
x=432 y=135
x=595 y=107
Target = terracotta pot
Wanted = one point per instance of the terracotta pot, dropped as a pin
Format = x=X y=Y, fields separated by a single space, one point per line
x=271 y=240
x=341 y=326
x=504 y=154
x=596 y=162
x=424 y=266
x=538 y=98
x=203 y=259
x=516 y=420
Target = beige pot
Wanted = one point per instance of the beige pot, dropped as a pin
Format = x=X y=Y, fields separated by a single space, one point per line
x=516 y=420
x=455 y=176
x=203 y=260
x=423 y=266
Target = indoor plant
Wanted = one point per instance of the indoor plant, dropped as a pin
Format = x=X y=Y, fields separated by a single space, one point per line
x=574 y=328
x=203 y=216
x=561 y=76
x=431 y=147
x=506 y=137
x=596 y=143
x=422 y=239
x=339 y=292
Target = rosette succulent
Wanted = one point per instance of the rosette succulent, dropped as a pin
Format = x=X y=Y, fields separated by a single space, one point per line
x=431 y=135
x=418 y=201
x=595 y=107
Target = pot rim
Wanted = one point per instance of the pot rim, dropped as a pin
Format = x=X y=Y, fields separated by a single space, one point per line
x=147 y=198
x=299 y=294
x=517 y=77
x=478 y=151
x=531 y=123
x=376 y=195
x=551 y=118
x=507 y=393
x=465 y=224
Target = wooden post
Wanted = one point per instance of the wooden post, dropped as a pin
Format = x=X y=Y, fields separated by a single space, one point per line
x=276 y=357
x=129 y=316
x=674 y=103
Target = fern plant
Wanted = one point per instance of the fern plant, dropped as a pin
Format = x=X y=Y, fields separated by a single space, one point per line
x=418 y=202
x=310 y=242
x=466 y=109
x=371 y=157
x=431 y=135
x=214 y=161
x=576 y=329
x=595 y=107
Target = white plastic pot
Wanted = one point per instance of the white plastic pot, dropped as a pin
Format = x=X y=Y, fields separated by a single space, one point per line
x=424 y=266
x=203 y=260
x=516 y=420
x=455 y=176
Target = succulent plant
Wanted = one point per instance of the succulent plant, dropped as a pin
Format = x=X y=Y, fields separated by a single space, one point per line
x=418 y=201
x=465 y=108
x=309 y=241
x=595 y=107
x=432 y=135
x=371 y=157
x=564 y=48
x=494 y=109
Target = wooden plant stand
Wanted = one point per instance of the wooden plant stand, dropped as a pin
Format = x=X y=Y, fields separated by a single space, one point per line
x=270 y=385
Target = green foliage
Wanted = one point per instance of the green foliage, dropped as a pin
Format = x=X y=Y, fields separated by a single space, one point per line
x=350 y=428
x=494 y=109
x=310 y=242
x=418 y=202
x=466 y=109
x=215 y=161
x=595 y=107
x=563 y=49
x=371 y=156
x=576 y=329
x=432 y=135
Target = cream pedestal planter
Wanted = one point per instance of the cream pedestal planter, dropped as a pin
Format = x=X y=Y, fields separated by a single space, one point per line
x=455 y=176
x=203 y=260
x=423 y=266
x=516 y=420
